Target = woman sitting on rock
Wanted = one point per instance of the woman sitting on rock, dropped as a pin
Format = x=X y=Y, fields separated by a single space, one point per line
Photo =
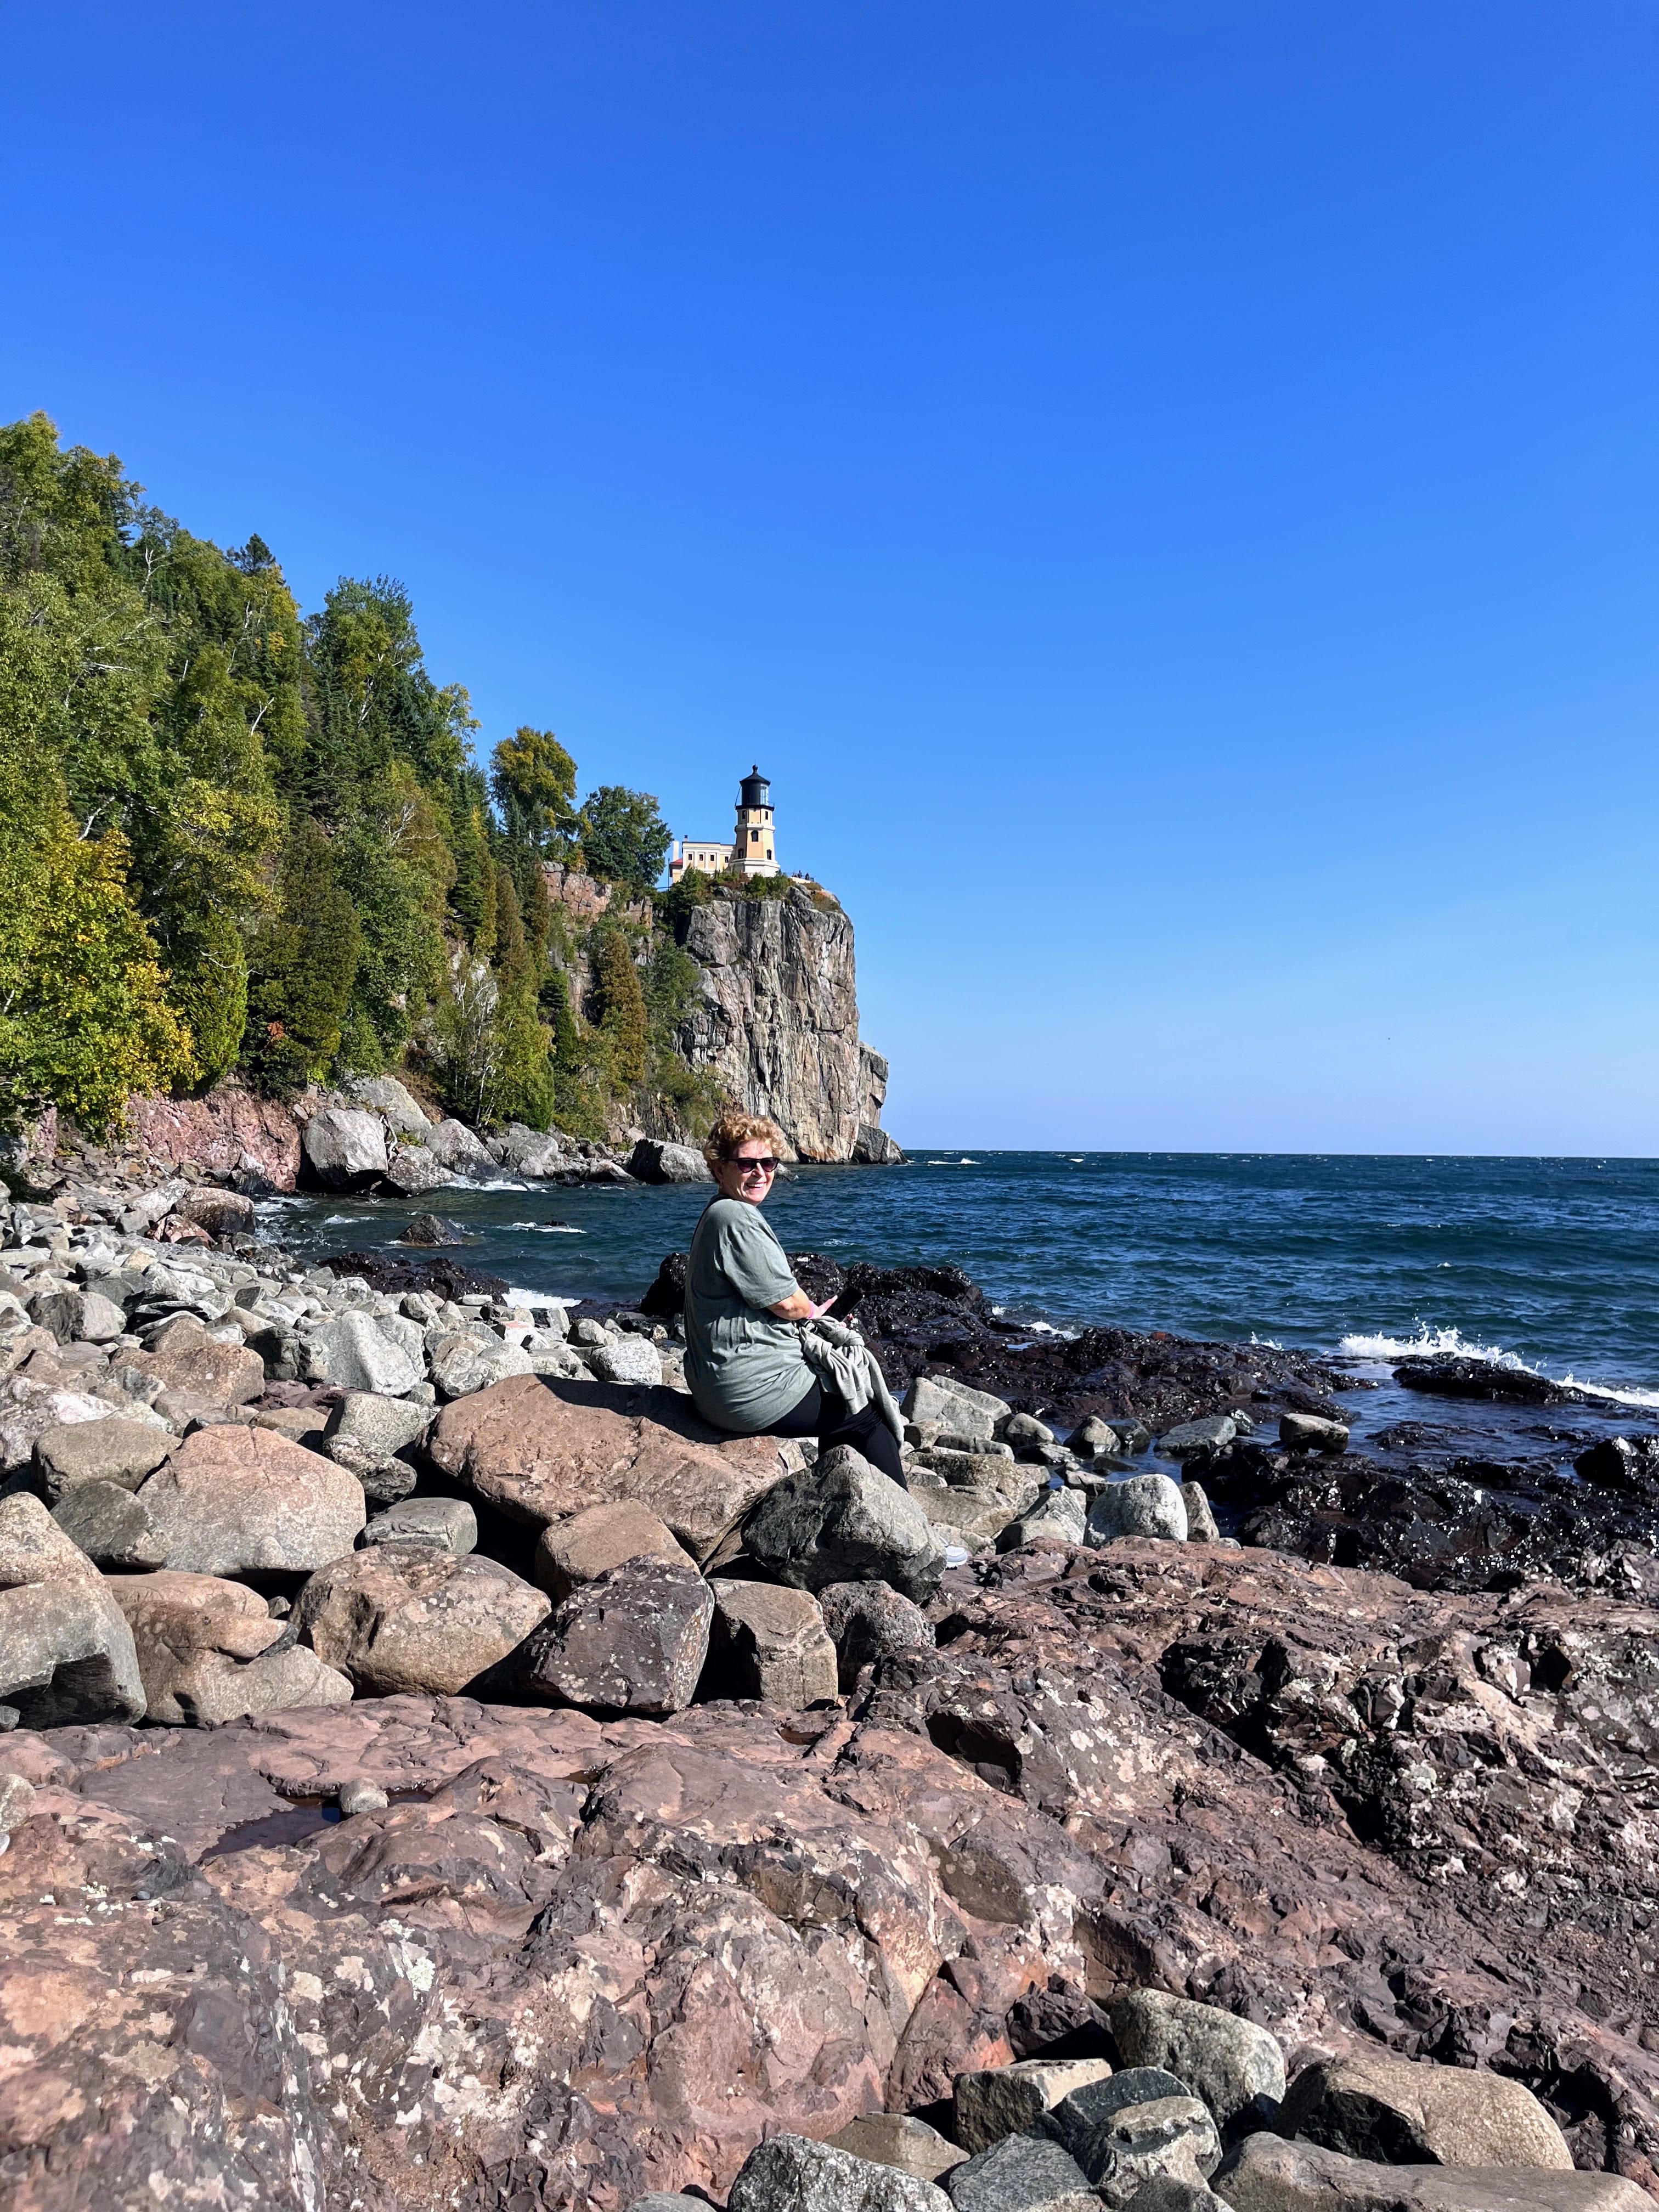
x=752 y=1367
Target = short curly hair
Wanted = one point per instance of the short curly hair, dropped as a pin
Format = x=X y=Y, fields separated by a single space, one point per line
x=734 y=1129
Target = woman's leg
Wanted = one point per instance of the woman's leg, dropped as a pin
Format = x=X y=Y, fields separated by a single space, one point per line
x=866 y=1431
x=803 y=1420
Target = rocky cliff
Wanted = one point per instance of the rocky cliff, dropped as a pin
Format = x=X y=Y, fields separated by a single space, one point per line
x=778 y=1023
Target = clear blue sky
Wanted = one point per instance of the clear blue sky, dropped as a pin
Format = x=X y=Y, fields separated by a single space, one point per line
x=1167 y=490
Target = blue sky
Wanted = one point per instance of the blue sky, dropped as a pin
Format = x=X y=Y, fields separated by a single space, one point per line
x=1168 y=491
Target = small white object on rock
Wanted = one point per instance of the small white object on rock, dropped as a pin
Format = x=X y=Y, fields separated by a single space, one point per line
x=359 y=1796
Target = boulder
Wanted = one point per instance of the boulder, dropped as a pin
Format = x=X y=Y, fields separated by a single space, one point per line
x=1236 y=2066
x=66 y=1653
x=533 y=1153
x=118 y=1451
x=790 y=2173
x=384 y=1096
x=975 y=1513
x=839 y=1521
x=77 y=1316
x=1304 y=1432
x=429 y=1233
x=1186 y=1440
x=1200 y=1515
x=897 y=2139
x=869 y=1621
x=523 y=1446
x=1092 y=1436
x=183 y=1357
x=1025 y=1431
x=652 y=1161
x=936 y=1401
x=344 y=1148
x=359 y=1796
x=1370 y=2105
x=995 y=2101
x=1130 y=2129
x=366 y=1433
x=222 y=1213
x=453 y=1145
x=1060 y=1516
x=37 y=1413
x=465 y=1364
x=1139 y=1505
x=634 y=1359
x=1022 y=2173
x=1265 y=2173
x=110 y=1525
x=449 y=1522
x=413 y=1616
x=238 y=1501
x=377 y=1353
x=411 y=1171
x=769 y=1642
x=590 y=1543
x=204 y=1651
x=634 y=1641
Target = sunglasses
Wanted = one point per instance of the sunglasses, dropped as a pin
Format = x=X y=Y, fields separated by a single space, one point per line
x=757 y=1167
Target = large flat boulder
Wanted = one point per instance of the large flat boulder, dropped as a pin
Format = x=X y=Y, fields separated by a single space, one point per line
x=238 y=1501
x=589 y=1544
x=203 y=1647
x=119 y=1451
x=344 y=1148
x=1265 y=2174
x=379 y=1354
x=1231 y=2064
x=789 y=2173
x=1374 y=2106
x=841 y=1521
x=539 y=1450
x=183 y=1357
x=413 y=1616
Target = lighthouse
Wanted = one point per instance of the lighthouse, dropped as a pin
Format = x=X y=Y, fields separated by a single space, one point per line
x=751 y=848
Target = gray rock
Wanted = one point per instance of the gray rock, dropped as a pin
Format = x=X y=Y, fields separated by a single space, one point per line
x=634 y=1359
x=77 y=1316
x=651 y=1161
x=767 y=1641
x=123 y=1452
x=453 y=1145
x=1403 y=2111
x=22 y=1426
x=222 y=1213
x=1231 y=2064
x=588 y=1332
x=384 y=1096
x=790 y=2173
x=898 y=2139
x=842 y=1521
x=344 y=1148
x=1213 y=1433
x=204 y=1652
x=365 y=1433
x=359 y=1796
x=1164 y=2193
x=1005 y=2101
x=668 y=2200
x=867 y=1621
x=411 y=1171
x=111 y=1526
x=234 y=1500
x=1301 y=1432
x=1022 y=2173
x=464 y=1363
x=1023 y=1430
x=408 y=1616
x=533 y=1153
x=584 y=1546
x=1059 y=1516
x=449 y=1522
x=934 y=1400
x=66 y=1653
x=1139 y=1505
x=16 y=1798
x=1201 y=1516
x=1265 y=2173
x=634 y=1641
x=1140 y=2124
x=1092 y=1436
x=363 y=1352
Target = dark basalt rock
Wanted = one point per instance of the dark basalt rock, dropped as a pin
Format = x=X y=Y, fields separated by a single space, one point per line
x=1447 y=1377
x=440 y=1278
x=426 y=1229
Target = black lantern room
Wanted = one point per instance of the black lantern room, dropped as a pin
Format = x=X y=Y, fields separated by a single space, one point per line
x=757 y=790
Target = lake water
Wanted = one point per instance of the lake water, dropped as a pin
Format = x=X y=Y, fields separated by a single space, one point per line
x=1551 y=1263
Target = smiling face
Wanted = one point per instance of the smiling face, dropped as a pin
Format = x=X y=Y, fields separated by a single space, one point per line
x=748 y=1174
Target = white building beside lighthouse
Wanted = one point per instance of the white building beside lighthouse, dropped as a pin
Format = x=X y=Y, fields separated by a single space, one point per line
x=750 y=852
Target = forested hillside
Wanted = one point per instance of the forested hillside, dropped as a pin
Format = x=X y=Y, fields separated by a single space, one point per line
x=237 y=837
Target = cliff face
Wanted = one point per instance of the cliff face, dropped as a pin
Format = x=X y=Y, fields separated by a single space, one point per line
x=779 y=1023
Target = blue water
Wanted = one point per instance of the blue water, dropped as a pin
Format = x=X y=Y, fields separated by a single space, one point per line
x=1553 y=1263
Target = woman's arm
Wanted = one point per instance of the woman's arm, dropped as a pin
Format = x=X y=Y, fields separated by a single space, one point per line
x=797 y=1307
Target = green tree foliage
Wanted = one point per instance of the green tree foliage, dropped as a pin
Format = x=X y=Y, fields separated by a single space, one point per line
x=306 y=957
x=619 y=1004
x=624 y=839
x=534 y=781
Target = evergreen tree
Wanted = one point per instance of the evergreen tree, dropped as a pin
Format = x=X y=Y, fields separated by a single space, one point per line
x=524 y=1078
x=620 y=1004
x=306 y=964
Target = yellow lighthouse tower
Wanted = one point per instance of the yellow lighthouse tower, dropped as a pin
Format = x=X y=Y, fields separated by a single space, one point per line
x=751 y=850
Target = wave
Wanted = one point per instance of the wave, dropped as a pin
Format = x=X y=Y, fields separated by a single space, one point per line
x=1451 y=1343
x=547 y=1229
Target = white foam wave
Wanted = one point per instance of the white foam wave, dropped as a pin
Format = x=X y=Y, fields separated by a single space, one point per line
x=1451 y=1343
x=549 y=1229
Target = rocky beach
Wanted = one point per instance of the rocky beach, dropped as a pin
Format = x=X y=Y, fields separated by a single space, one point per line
x=439 y=1769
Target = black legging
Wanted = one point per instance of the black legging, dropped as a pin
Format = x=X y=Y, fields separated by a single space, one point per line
x=823 y=1413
